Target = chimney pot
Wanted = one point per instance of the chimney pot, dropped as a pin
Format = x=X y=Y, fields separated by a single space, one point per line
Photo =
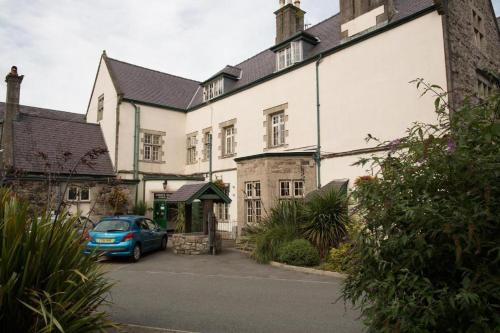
x=13 y=71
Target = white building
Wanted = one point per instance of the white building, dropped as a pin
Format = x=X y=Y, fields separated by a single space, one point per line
x=348 y=75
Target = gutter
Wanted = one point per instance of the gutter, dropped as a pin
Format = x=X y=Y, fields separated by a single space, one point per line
x=318 y=124
x=137 y=126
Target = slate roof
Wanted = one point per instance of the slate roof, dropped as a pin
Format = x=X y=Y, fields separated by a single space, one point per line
x=151 y=87
x=53 y=133
x=339 y=184
x=188 y=193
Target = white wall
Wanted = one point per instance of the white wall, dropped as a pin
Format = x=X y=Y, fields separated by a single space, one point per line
x=104 y=85
x=155 y=119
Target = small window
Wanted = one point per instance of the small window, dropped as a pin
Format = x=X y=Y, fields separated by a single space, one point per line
x=289 y=55
x=191 y=149
x=478 y=28
x=152 y=147
x=298 y=189
x=285 y=189
x=76 y=193
x=213 y=89
x=253 y=203
x=222 y=209
x=229 y=141
x=207 y=145
x=278 y=129
x=100 y=108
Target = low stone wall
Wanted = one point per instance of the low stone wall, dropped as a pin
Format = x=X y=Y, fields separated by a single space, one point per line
x=194 y=244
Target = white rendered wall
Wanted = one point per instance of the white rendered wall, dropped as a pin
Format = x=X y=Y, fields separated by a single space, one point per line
x=104 y=85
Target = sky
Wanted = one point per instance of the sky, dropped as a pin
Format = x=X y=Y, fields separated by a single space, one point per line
x=57 y=44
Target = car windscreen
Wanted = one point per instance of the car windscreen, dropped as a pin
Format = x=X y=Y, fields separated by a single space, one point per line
x=112 y=226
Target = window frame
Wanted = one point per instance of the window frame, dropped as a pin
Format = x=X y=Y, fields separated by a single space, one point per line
x=152 y=147
x=278 y=129
x=292 y=188
x=77 y=190
x=191 y=144
x=478 y=29
x=289 y=55
x=100 y=108
x=213 y=89
x=229 y=137
x=253 y=202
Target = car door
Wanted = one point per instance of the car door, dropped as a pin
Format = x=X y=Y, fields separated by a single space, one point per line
x=155 y=234
x=146 y=235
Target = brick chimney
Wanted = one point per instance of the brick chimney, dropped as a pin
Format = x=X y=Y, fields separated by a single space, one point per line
x=381 y=10
x=10 y=116
x=289 y=20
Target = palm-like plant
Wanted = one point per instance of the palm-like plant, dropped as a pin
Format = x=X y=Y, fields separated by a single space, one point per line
x=326 y=216
x=280 y=226
x=46 y=283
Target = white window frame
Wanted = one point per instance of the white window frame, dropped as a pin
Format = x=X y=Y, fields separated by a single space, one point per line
x=207 y=144
x=229 y=140
x=191 y=149
x=222 y=209
x=152 y=147
x=278 y=129
x=213 y=89
x=253 y=203
x=290 y=55
x=77 y=190
x=294 y=187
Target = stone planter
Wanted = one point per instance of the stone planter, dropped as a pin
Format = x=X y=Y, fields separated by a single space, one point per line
x=194 y=244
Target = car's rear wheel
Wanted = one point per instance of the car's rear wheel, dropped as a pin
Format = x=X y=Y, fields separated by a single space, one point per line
x=164 y=243
x=136 y=253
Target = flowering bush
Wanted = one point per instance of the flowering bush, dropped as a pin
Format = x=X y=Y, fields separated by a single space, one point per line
x=428 y=256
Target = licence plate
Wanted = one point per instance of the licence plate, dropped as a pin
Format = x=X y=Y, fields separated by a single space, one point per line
x=105 y=240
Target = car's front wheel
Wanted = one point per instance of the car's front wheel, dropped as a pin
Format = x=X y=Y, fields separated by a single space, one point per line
x=136 y=253
x=164 y=243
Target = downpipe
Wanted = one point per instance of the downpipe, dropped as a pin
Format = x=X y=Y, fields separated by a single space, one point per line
x=137 y=127
x=318 y=125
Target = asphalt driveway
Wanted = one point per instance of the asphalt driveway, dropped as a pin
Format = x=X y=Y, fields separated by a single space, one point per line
x=225 y=293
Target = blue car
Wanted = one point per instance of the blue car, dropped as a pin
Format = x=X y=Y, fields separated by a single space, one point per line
x=126 y=236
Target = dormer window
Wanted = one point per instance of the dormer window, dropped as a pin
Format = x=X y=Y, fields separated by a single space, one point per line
x=213 y=89
x=289 y=55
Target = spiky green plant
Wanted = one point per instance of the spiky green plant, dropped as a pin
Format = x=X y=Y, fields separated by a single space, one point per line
x=326 y=216
x=140 y=208
x=280 y=226
x=46 y=283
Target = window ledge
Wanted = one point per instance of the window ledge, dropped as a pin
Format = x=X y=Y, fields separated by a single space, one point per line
x=228 y=156
x=152 y=162
x=285 y=145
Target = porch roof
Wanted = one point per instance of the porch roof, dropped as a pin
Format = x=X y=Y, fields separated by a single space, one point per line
x=198 y=191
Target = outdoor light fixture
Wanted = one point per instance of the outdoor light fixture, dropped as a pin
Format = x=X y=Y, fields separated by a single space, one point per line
x=165 y=183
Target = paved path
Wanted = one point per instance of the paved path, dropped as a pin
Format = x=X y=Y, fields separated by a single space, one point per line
x=225 y=293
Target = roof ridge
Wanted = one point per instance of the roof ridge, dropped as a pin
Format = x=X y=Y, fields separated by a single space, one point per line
x=55 y=119
x=153 y=70
x=46 y=109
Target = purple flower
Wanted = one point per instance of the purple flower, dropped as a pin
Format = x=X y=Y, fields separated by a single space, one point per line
x=395 y=145
x=452 y=145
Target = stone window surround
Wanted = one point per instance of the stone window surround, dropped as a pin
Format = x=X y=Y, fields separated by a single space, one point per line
x=204 y=150
x=268 y=113
x=188 y=136
x=221 y=137
x=476 y=12
x=162 y=135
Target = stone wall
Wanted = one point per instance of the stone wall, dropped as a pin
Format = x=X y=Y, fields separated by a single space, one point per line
x=464 y=57
x=194 y=244
x=269 y=171
x=43 y=195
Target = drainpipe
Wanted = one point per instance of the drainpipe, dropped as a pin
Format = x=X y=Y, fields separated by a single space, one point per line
x=318 y=124
x=137 y=126
x=210 y=158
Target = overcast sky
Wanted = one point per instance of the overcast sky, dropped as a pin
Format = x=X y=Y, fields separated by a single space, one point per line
x=57 y=43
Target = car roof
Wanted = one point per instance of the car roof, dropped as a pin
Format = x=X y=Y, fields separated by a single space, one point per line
x=126 y=218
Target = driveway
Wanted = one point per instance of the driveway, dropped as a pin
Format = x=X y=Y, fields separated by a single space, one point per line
x=225 y=293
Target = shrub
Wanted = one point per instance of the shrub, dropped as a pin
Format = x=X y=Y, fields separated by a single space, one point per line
x=140 y=208
x=46 y=283
x=326 y=216
x=280 y=226
x=428 y=257
x=299 y=253
x=338 y=259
